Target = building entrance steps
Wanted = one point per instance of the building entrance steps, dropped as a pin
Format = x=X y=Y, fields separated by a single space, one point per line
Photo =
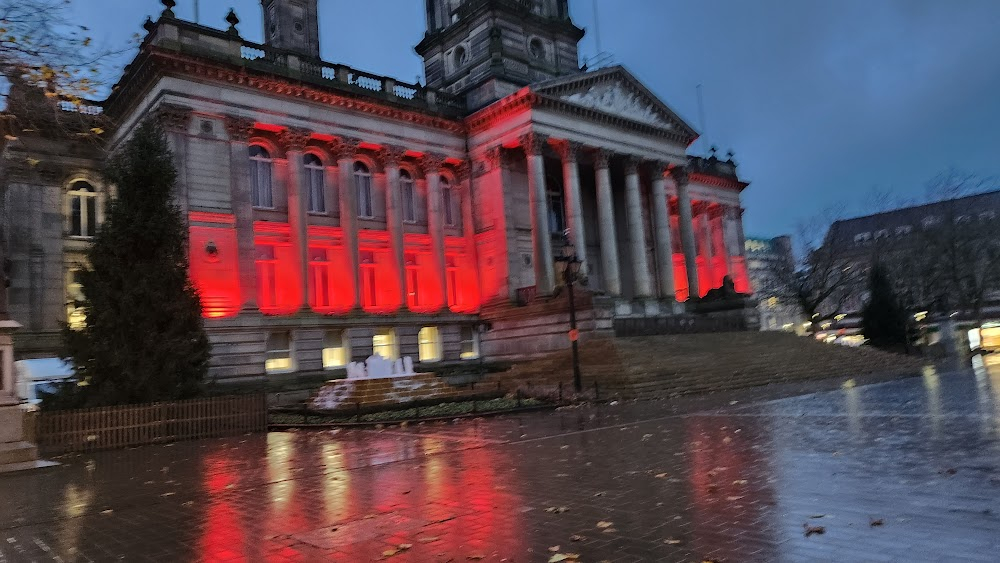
x=671 y=365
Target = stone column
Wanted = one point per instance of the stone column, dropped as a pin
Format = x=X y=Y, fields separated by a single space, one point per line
x=239 y=130
x=606 y=218
x=294 y=142
x=393 y=215
x=686 y=223
x=717 y=216
x=435 y=221
x=541 y=238
x=568 y=151
x=704 y=226
x=636 y=229
x=345 y=150
x=661 y=229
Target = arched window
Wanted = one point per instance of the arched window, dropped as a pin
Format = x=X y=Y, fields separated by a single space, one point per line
x=536 y=49
x=408 y=197
x=316 y=182
x=260 y=177
x=363 y=180
x=447 y=202
x=460 y=57
x=82 y=210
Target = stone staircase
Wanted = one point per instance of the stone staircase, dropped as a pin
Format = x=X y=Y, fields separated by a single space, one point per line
x=665 y=366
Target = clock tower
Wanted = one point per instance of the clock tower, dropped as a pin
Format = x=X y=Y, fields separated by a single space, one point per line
x=486 y=50
x=292 y=25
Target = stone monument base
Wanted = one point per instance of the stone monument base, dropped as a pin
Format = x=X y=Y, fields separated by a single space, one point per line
x=17 y=451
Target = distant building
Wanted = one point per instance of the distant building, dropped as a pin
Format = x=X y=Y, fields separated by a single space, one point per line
x=767 y=261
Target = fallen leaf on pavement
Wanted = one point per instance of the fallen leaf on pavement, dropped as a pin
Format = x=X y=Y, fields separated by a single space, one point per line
x=564 y=557
x=876 y=523
x=740 y=482
x=428 y=540
x=575 y=537
x=732 y=499
x=818 y=516
x=603 y=524
x=475 y=557
x=662 y=475
x=810 y=530
x=554 y=548
x=389 y=553
x=609 y=530
x=672 y=541
x=405 y=546
x=556 y=509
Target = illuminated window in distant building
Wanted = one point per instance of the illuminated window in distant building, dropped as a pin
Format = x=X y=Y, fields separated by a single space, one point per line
x=278 y=357
x=319 y=278
x=429 y=340
x=76 y=315
x=260 y=177
x=336 y=349
x=384 y=343
x=470 y=343
x=452 y=273
x=369 y=292
x=82 y=210
x=447 y=202
x=316 y=181
x=363 y=181
x=407 y=194
x=412 y=281
x=267 y=276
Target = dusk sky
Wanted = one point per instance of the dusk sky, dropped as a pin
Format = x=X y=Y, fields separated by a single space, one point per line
x=822 y=102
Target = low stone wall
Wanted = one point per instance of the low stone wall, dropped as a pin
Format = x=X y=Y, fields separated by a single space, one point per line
x=348 y=395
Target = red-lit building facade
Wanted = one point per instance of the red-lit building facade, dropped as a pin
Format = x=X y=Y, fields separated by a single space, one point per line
x=334 y=213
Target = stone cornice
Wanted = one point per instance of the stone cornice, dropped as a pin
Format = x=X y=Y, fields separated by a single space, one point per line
x=717 y=182
x=161 y=61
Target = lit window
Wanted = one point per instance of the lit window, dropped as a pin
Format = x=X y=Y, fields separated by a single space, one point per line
x=412 y=277
x=470 y=343
x=319 y=278
x=384 y=344
x=369 y=292
x=82 y=210
x=406 y=191
x=76 y=315
x=336 y=350
x=316 y=182
x=267 y=273
x=279 y=353
x=260 y=177
x=363 y=180
x=429 y=339
x=447 y=202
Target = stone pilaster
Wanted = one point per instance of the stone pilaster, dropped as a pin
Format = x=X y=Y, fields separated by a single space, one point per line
x=239 y=130
x=686 y=224
x=636 y=229
x=294 y=143
x=393 y=215
x=541 y=238
x=568 y=151
x=432 y=164
x=345 y=150
x=661 y=230
x=606 y=218
x=174 y=120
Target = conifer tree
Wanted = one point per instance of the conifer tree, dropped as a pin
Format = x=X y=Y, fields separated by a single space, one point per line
x=144 y=338
x=883 y=320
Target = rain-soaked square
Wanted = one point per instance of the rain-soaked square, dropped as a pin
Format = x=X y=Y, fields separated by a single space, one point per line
x=901 y=470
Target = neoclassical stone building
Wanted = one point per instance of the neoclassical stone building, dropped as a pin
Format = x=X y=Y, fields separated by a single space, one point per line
x=334 y=213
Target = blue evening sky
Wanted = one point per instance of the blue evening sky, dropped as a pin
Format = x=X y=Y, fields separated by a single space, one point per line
x=823 y=102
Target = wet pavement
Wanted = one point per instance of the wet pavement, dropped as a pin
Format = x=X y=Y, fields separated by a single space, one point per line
x=904 y=470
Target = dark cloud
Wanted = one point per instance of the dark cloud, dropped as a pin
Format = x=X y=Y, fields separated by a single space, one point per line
x=822 y=101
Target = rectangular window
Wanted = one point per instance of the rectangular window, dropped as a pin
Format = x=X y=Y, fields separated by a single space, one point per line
x=470 y=343
x=429 y=340
x=449 y=211
x=409 y=208
x=91 y=216
x=260 y=176
x=384 y=344
x=452 y=281
x=278 y=357
x=412 y=277
x=76 y=216
x=336 y=351
x=368 y=288
x=319 y=277
x=267 y=273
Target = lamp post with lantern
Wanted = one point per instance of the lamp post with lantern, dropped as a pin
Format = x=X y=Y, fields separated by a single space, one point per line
x=570 y=264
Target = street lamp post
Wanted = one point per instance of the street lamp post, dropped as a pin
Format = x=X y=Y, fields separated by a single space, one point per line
x=571 y=270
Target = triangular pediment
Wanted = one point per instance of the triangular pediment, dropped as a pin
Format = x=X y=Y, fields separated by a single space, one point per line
x=614 y=91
